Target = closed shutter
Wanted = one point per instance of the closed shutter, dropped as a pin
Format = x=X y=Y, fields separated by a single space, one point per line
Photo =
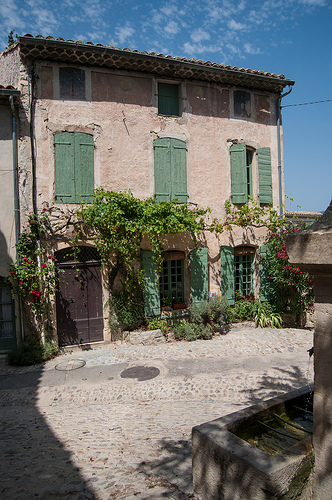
x=199 y=275
x=74 y=170
x=84 y=171
x=239 y=173
x=265 y=175
x=168 y=99
x=151 y=289
x=162 y=169
x=227 y=273
x=170 y=170
x=64 y=152
x=179 y=170
x=264 y=273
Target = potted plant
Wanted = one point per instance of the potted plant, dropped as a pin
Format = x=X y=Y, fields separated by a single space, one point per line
x=178 y=303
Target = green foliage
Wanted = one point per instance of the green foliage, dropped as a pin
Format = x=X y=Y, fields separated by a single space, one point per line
x=158 y=324
x=289 y=289
x=10 y=38
x=265 y=316
x=208 y=312
x=32 y=351
x=34 y=278
x=119 y=221
x=249 y=214
x=192 y=331
x=243 y=310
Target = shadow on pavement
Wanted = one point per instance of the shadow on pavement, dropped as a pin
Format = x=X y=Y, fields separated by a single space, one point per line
x=34 y=463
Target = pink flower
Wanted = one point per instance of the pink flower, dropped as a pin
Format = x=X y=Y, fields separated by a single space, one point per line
x=49 y=256
x=44 y=265
x=12 y=272
x=25 y=259
x=29 y=261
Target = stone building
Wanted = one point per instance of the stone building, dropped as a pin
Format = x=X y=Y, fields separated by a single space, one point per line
x=93 y=115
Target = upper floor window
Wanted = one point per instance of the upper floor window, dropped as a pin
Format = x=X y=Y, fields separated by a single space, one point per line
x=170 y=169
x=168 y=99
x=74 y=169
x=242 y=104
x=242 y=174
x=72 y=83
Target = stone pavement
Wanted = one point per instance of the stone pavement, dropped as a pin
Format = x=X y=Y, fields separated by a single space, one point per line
x=86 y=432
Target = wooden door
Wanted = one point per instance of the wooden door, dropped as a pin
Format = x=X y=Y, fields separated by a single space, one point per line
x=79 y=304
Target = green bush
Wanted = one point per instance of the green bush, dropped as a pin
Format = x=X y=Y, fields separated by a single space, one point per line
x=192 y=331
x=208 y=312
x=32 y=351
x=243 y=310
x=158 y=323
x=266 y=316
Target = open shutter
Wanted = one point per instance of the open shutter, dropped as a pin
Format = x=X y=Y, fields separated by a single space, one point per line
x=239 y=173
x=199 y=275
x=265 y=175
x=84 y=170
x=179 y=170
x=151 y=289
x=227 y=273
x=162 y=169
x=263 y=275
x=64 y=158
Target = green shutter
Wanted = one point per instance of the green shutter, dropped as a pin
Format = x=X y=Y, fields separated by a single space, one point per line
x=162 y=169
x=239 y=173
x=64 y=167
x=151 y=289
x=84 y=170
x=265 y=175
x=170 y=170
x=264 y=273
x=179 y=170
x=168 y=99
x=227 y=273
x=199 y=275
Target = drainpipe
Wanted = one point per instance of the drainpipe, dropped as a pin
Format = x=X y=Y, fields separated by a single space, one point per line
x=279 y=148
x=16 y=199
x=32 y=78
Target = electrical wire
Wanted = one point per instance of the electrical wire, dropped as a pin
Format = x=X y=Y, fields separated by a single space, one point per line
x=306 y=103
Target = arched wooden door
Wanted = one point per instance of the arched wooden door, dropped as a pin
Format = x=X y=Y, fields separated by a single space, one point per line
x=79 y=303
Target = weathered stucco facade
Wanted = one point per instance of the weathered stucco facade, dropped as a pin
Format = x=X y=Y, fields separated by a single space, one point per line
x=114 y=98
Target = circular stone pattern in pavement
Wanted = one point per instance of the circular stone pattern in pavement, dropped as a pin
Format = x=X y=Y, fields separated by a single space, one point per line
x=71 y=364
x=140 y=372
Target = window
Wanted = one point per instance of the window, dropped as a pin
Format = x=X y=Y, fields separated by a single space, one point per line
x=7 y=318
x=168 y=99
x=242 y=104
x=72 y=83
x=236 y=271
x=242 y=174
x=171 y=281
x=170 y=170
x=244 y=257
x=74 y=170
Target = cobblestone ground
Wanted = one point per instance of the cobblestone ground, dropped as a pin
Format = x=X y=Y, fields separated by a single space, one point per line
x=88 y=433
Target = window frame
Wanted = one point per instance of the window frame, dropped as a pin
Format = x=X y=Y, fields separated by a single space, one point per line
x=166 y=284
x=242 y=109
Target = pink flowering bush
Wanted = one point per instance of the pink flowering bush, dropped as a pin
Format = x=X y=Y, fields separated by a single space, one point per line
x=34 y=277
x=290 y=290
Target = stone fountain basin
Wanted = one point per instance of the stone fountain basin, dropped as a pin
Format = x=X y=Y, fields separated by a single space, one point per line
x=225 y=467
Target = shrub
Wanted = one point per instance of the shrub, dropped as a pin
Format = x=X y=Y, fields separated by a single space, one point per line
x=266 y=316
x=32 y=351
x=208 y=312
x=158 y=323
x=243 y=310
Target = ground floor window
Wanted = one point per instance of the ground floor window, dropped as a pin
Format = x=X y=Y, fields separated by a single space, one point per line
x=7 y=318
x=243 y=260
x=171 y=282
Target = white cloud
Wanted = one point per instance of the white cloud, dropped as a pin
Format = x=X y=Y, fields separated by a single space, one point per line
x=314 y=3
x=123 y=33
x=172 y=28
x=199 y=35
x=193 y=49
x=249 y=49
x=233 y=25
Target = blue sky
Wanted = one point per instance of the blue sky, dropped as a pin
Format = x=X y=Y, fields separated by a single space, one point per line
x=292 y=37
